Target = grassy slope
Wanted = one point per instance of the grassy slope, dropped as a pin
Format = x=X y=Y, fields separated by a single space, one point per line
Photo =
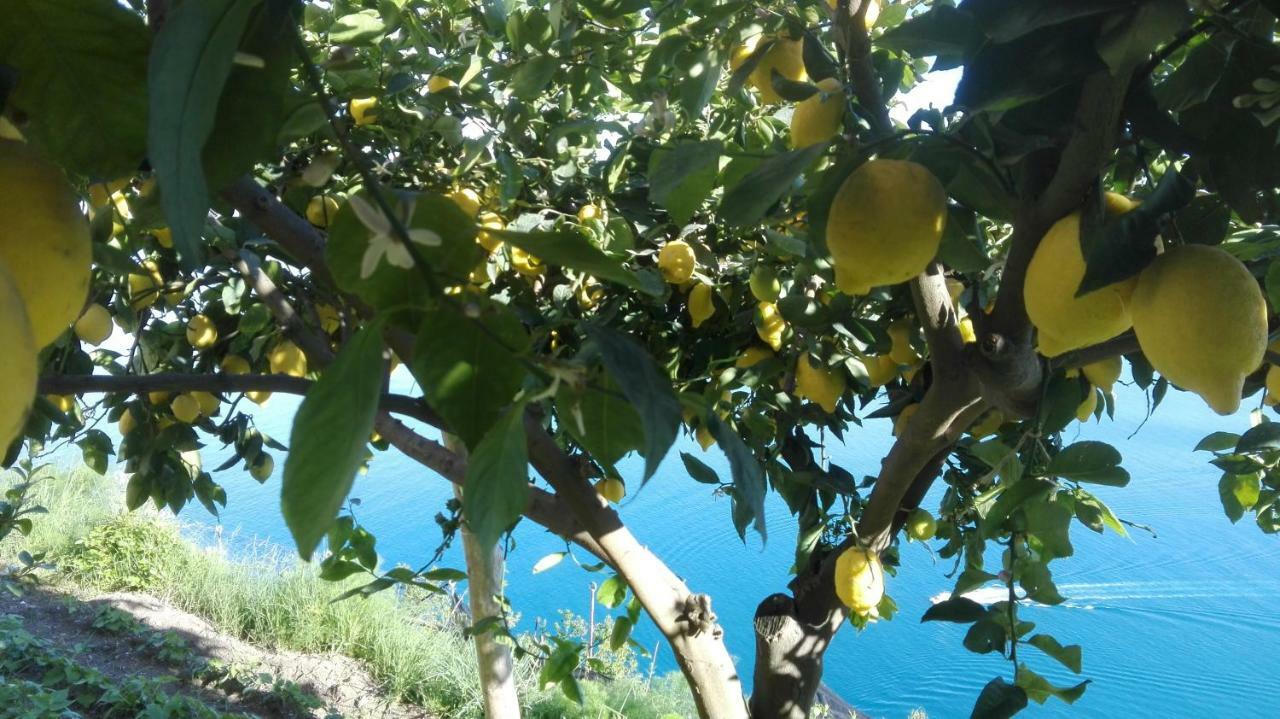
x=408 y=644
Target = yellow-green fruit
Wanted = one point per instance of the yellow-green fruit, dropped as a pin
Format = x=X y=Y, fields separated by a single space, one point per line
x=262 y=469
x=164 y=237
x=901 y=350
x=329 y=318
x=235 y=364
x=787 y=57
x=1088 y=406
x=467 y=200
x=321 y=210
x=1066 y=322
x=819 y=385
x=588 y=294
x=967 y=333
x=881 y=370
x=1201 y=320
x=440 y=83
x=764 y=284
x=589 y=212
x=612 y=490
x=202 y=333
x=903 y=419
x=286 y=358
x=741 y=53
x=817 y=118
x=1273 y=382
x=127 y=423
x=364 y=110
x=209 y=403
x=17 y=361
x=94 y=326
x=885 y=224
x=701 y=305
x=185 y=408
x=873 y=12
x=144 y=290
x=44 y=242
x=859 y=580
x=769 y=325
x=159 y=398
x=527 y=264
x=921 y=525
x=676 y=261
x=752 y=356
x=489 y=221
x=1104 y=373
x=64 y=402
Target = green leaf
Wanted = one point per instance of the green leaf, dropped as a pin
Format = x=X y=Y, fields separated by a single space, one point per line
x=1039 y=689
x=633 y=369
x=190 y=63
x=748 y=478
x=1069 y=657
x=497 y=488
x=699 y=470
x=970 y=579
x=1239 y=493
x=533 y=75
x=943 y=32
x=1017 y=494
x=985 y=636
x=612 y=592
x=1128 y=39
x=1089 y=461
x=1262 y=437
x=601 y=420
x=327 y=445
x=682 y=176
x=1036 y=579
x=564 y=659
x=959 y=250
x=468 y=366
x=1004 y=76
x=621 y=632
x=357 y=28
x=960 y=610
x=1217 y=442
x=1120 y=247
x=747 y=202
x=82 y=81
x=999 y=700
x=1049 y=521
x=701 y=73
x=570 y=248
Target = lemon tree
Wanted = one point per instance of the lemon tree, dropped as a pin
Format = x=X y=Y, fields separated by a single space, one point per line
x=589 y=229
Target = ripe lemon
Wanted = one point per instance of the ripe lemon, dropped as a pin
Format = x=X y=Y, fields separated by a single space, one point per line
x=741 y=53
x=881 y=370
x=787 y=57
x=235 y=364
x=752 y=356
x=94 y=326
x=489 y=221
x=1088 y=406
x=1201 y=320
x=588 y=294
x=819 y=385
x=287 y=358
x=321 y=209
x=873 y=11
x=364 y=110
x=17 y=361
x=859 y=580
x=202 y=333
x=589 y=212
x=1066 y=322
x=185 y=408
x=127 y=423
x=903 y=419
x=817 y=118
x=967 y=333
x=467 y=199
x=885 y=224
x=1104 y=373
x=158 y=398
x=209 y=403
x=701 y=305
x=921 y=525
x=440 y=83
x=329 y=318
x=144 y=287
x=676 y=261
x=901 y=351
x=526 y=264
x=769 y=325
x=1273 y=382
x=164 y=237
x=44 y=242
x=764 y=284
x=261 y=470
x=613 y=490
x=64 y=402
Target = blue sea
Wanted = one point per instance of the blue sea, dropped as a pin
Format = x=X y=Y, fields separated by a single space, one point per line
x=1180 y=624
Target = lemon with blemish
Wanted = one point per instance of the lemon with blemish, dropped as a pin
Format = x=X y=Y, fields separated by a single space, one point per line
x=859 y=579
x=677 y=262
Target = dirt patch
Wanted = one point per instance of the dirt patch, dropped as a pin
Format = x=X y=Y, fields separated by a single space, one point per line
x=66 y=622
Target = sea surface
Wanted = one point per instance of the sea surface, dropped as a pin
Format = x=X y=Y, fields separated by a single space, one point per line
x=1185 y=623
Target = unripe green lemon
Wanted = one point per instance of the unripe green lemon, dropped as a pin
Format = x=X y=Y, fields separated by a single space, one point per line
x=921 y=525
x=817 y=118
x=764 y=284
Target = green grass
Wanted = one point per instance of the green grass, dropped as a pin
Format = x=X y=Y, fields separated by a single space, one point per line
x=407 y=643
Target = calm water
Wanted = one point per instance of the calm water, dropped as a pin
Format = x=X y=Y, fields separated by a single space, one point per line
x=1179 y=625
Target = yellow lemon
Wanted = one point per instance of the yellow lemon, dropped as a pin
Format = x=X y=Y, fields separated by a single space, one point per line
x=526 y=264
x=741 y=53
x=321 y=209
x=677 y=261
x=185 y=408
x=819 y=385
x=901 y=350
x=1273 y=382
x=164 y=237
x=589 y=212
x=764 y=284
x=287 y=358
x=127 y=423
x=235 y=364
x=967 y=333
x=611 y=489
x=588 y=294
x=752 y=356
x=903 y=419
x=45 y=241
x=467 y=200
x=1104 y=373
x=701 y=304
x=787 y=57
x=202 y=333
x=770 y=326
x=885 y=224
x=490 y=221
x=859 y=580
x=329 y=318
x=261 y=470
x=209 y=403
x=440 y=83
x=873 y=11
x=817 y=118
x=1066 y=322
x=1201 y=321
x=17 y=361
x=64 y=402
x=94 y=326
x=1088 y=406
x=158 y=398
x=881 y=370
x=364 y=110
x=921 y=525
x=144 y=288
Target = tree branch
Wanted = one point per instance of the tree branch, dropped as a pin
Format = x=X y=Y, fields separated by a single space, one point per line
x=940 y=322
x=851 y=26
x=1120 y=345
